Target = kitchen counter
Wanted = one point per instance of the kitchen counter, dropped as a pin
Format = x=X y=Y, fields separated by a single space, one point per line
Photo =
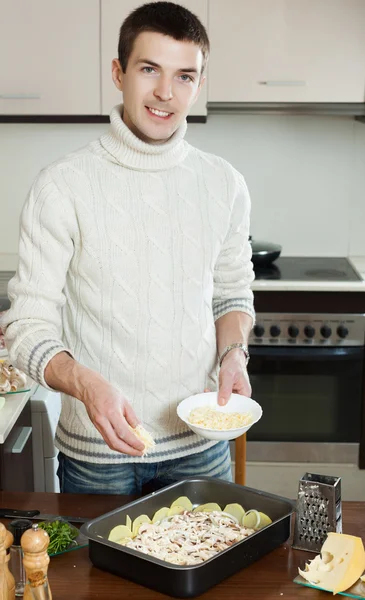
x=72 y=575
x=272 y=285
x=14 y=404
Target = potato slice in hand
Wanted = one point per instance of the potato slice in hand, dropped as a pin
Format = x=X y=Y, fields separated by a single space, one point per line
x=120 y=532
x=138 y=522
x=236 y=510
x=183 y=501
x=162 y=513
x=208 y=507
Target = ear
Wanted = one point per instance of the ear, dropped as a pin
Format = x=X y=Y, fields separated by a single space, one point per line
x=117 y=74
x=201 y=83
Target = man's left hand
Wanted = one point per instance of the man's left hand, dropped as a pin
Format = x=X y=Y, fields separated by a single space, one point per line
x=233 y=377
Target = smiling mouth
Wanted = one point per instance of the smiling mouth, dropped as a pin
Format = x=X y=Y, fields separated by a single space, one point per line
x=161 y=114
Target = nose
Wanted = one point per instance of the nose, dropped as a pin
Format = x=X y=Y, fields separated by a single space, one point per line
x=163 y=89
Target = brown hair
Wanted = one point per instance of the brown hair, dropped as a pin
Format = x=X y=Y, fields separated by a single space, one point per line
x=167 y=18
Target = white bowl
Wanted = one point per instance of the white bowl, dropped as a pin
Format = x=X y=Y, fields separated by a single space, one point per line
x=236 y=403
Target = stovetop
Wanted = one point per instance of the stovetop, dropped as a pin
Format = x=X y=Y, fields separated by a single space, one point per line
x=309 y=269
x=283 y=269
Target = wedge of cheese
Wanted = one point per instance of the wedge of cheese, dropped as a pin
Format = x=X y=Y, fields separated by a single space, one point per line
x=340 y=564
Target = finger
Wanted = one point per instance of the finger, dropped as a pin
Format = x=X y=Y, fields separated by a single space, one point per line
x=123 y=432
x=243 y=386
x=113 y=441
x=130 y=416
x=206 y=390
x=225 y=388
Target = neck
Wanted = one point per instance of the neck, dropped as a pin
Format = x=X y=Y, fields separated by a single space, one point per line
x=126 y=146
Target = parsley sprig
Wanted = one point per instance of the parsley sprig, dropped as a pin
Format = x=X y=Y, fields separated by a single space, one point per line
x=61 y=535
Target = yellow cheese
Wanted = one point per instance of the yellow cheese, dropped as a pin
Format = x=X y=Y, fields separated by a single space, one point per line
x=340 y=564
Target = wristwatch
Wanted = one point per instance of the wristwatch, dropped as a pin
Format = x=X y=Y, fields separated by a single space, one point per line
x=227 y=349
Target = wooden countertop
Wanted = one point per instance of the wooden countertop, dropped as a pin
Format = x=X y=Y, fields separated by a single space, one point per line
x=72 y=575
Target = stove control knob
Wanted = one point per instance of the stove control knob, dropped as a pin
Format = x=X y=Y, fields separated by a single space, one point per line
x=275 y=331
x=309 y=331
x=326 y=331
x=342 y=331
x=293 y=331
x=258 y=330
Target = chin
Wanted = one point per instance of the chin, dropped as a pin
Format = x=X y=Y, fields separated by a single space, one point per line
x=158 y=134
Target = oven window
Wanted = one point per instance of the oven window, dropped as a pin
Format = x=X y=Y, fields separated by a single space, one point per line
x=306 y=400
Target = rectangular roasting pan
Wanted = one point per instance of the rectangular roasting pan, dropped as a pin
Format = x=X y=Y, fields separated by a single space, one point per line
x=191 y=580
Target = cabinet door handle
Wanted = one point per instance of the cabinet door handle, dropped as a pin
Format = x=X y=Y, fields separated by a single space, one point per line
x=283 y=83
x=20 y=96
x=22 y=439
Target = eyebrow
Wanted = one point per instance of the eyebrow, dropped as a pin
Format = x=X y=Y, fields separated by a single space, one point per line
x=153 y=64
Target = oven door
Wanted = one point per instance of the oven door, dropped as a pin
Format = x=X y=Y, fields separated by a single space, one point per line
x=311 y=400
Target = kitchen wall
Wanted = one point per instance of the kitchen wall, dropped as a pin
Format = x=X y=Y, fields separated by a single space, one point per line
x=306 y=175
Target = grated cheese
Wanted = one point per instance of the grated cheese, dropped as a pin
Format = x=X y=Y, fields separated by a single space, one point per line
x=145 y=437
x=204 y=416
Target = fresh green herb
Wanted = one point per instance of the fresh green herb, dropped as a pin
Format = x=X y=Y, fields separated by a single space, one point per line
x=61 y=535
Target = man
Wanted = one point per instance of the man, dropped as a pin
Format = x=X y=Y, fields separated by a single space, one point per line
x=135 y=271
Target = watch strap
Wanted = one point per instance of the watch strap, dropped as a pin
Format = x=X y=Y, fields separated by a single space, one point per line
x=227 y=349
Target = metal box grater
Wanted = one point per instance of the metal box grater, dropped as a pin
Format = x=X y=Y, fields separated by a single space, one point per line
x=318 y=511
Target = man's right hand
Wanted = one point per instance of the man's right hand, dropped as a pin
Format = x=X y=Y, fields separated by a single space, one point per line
x=107 y=408
x=111 y=414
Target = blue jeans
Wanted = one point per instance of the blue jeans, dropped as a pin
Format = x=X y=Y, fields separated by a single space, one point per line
x=79 y=477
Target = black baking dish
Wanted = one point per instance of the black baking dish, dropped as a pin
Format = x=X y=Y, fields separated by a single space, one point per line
x=191 y=580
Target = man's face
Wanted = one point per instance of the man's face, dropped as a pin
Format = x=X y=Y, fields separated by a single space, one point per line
x=161 y=83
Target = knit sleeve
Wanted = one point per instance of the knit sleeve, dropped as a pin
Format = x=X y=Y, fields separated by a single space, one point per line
x=32 y=325
x=234 y=273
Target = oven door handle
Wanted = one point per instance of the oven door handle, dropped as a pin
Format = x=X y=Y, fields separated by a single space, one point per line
x=305 y=353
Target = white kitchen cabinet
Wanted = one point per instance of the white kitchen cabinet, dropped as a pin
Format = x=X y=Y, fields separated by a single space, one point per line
x=113 y=13
x=49 y=57
x=287 y=51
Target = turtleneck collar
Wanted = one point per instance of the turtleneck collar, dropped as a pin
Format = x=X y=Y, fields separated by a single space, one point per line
x=128 y=150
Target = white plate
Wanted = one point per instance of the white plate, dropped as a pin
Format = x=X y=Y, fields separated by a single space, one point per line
x=236 y=403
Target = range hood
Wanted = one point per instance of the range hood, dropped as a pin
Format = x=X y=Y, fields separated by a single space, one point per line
x=339 y=109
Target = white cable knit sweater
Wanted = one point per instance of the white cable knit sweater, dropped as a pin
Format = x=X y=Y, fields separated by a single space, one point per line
x=128 y=253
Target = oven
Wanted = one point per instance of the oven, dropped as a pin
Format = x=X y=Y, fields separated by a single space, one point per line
x=306 y=372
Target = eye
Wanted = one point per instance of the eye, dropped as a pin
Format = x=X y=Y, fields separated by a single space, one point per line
x=148 y=70
x=185 y=77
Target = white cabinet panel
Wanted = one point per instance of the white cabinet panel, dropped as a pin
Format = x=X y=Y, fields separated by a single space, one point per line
x=287 y=51
x=113 y=13
x=49 y=57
